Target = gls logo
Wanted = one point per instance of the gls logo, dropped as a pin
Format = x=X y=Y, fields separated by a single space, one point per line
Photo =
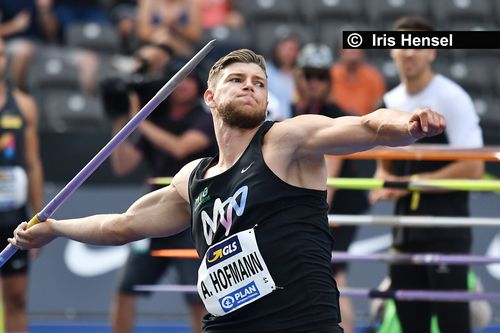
x=223 y=213
x=225 y=250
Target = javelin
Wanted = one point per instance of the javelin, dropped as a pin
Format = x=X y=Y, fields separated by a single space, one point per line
x=75 y=183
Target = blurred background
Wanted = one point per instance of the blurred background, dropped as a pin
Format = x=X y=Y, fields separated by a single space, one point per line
x=78 y=60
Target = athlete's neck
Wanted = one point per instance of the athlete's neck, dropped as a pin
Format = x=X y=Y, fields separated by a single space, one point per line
x=232 y=143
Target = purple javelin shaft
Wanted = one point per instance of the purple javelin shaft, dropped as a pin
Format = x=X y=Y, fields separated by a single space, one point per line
x=75 y=183
x=425 y=295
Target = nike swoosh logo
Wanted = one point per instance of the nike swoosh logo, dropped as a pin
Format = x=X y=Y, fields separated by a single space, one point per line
x=248 y=167
x=84 y=261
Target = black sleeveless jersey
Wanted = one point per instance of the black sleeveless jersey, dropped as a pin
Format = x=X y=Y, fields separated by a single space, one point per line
x=12 y=125
x=292 y=233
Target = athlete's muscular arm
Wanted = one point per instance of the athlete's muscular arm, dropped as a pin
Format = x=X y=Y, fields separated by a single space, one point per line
x=322 y=135
x=157 y=214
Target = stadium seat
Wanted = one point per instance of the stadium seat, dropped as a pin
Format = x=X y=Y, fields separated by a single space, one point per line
x=488 y=109
x=52 y=68
x=227 y=35
x=263 y=10
x=266 y=34
x=228 y=39
x=330 y=32
x=473 y=25
x=496 y=9
x=450 y=12
x=474 y=74
x=383 y=13
x=497 y=81
x=93 y=36
x=344 y=10
x=328 y=17
x=70 y=110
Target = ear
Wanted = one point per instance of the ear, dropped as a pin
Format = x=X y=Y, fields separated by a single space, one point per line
x=208 y=96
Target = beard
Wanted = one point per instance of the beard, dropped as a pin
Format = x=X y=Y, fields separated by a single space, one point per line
x=234 y=117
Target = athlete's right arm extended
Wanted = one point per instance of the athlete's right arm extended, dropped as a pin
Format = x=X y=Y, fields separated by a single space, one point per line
x=157 y=214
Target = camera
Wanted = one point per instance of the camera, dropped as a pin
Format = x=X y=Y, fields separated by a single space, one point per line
x=145 y=83
x=114 y=91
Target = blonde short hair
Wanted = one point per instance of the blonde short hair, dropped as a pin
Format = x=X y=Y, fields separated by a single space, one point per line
x=243 y=55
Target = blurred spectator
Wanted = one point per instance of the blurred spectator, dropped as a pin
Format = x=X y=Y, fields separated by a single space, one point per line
x=24 y=23
x=215 y=13
x=79 y=11
x=359 y=87
x=148 y=59
x=222 y=20
x=420 y=87
x=178 y=131
x=124 y=16
x=280 y=71
x=313 y=85
x=176 y=23
x=70 y=12
x=21 y=184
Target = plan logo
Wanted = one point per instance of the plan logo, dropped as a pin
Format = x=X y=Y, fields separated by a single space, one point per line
x=239 y=297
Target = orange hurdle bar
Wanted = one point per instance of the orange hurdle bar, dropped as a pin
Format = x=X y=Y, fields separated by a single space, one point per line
x=176 y=253
x=428 y=153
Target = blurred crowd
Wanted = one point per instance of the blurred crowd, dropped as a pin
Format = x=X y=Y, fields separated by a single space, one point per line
x=61 y=51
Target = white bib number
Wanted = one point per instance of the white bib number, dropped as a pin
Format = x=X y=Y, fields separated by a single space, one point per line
x=233 y=274
x=13 y=187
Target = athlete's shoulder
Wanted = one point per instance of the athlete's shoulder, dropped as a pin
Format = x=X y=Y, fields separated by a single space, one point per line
x=181 y=179
x=185 y=172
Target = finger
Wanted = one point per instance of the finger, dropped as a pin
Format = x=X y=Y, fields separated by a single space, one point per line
x=415 y=130
x=22 y=234
x=437 y=126
x=21 y=227
x=424 y=121
x=14 y=243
